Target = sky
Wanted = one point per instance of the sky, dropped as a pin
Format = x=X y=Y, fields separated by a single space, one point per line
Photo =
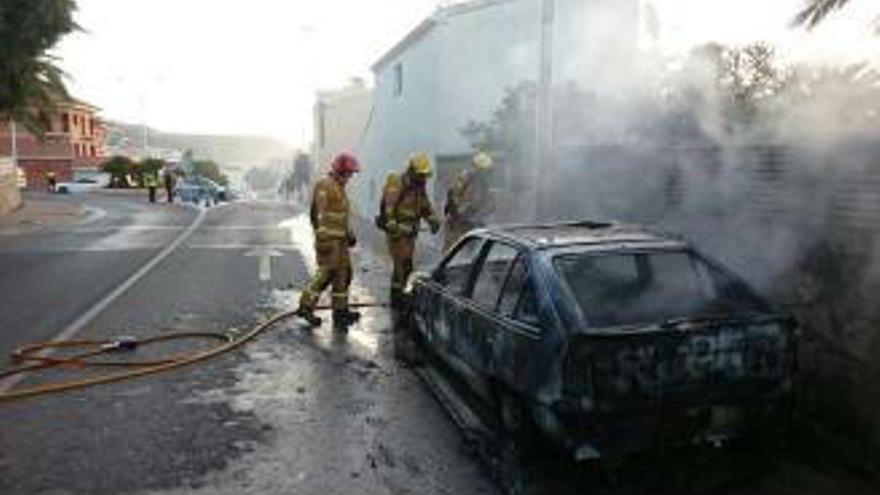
x=252 y=66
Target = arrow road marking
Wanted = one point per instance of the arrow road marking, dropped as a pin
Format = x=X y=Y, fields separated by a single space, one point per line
x=264 y=270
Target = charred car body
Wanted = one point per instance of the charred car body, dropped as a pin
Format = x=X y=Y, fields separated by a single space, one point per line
x=602 y=337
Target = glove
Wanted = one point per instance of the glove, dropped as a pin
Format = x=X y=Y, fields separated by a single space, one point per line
x=435 y=226
x=352 y=240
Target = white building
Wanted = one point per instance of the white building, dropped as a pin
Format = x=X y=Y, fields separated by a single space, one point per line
x=340 y=118
x=457 y=66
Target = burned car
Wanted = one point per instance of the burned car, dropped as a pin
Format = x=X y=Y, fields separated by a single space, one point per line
x=601 y=337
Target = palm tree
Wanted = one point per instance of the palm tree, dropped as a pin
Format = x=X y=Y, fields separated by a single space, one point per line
x=816 y=11
x=31 y=84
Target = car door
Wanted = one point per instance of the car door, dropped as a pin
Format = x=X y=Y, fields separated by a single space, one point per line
x=450 y=284
x=523 y=351
x=475 y=341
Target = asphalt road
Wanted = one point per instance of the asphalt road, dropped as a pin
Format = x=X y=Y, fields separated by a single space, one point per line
x=297 y=411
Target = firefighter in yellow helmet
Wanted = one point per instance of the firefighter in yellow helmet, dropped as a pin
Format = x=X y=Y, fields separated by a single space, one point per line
x=405 y=204
x=330 y=212
x=469 y=202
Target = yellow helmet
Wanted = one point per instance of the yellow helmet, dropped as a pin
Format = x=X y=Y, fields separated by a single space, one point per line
x=420 y=164
x=482 y=161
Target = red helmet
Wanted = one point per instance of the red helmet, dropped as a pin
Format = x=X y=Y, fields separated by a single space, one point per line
x=345 y=163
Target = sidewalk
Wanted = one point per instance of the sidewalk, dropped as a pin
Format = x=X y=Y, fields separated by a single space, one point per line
x=40 y=211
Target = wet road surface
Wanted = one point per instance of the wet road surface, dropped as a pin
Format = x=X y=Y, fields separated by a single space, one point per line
x=298 y=411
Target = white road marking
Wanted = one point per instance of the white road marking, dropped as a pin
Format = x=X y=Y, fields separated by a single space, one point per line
x=264 y=270
x=77 y=325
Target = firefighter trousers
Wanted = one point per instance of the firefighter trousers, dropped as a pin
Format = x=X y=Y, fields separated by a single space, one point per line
x=402 y=250
x=334 y=270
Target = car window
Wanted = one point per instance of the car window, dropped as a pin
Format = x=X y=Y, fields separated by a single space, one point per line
x=638 y=288
x=527 y=308
x=492 y=274
x=455 y=272
x=513 y=287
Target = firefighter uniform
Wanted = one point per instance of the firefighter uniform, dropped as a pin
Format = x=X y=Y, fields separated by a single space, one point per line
x=405 y=203
x=151 y=183
x=469 y=202
x=330 y=213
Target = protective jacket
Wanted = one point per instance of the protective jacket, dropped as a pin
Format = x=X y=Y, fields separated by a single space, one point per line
x=330 y=211
x=404 y=206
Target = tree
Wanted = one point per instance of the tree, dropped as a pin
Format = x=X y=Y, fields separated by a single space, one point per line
x=30 y=81
x=210 y=170
x=149 y=166
x=816 y=11
x=118 y=167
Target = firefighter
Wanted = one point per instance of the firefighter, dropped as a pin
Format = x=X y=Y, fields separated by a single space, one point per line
x=151 y=183
x=404 y=205
x=469 y=202
x=330 y=212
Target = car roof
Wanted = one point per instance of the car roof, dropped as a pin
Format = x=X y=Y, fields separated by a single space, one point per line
x=559 y=235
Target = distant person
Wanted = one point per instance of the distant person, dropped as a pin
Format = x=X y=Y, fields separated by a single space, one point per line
x=51 y=182
x=151 y=182
x=302 y=176
x=168 y=179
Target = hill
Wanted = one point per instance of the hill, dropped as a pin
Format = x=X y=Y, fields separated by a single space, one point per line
x=230 y=151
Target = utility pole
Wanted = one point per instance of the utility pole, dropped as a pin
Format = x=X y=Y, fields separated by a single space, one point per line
x=545 y=165
x=14 y=133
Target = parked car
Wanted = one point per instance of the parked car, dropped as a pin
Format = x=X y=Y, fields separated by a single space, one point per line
x=201 y=190
x=601 y=337
x=83 y=183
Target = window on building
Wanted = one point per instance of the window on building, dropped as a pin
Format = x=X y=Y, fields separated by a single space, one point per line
x=65 y=122
x=398 y=79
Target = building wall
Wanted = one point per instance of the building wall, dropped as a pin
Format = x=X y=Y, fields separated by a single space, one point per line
x=340 y=119
x=74 y=140
x=460 y=68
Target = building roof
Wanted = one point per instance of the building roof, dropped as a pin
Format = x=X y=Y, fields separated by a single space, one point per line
x=442 y=14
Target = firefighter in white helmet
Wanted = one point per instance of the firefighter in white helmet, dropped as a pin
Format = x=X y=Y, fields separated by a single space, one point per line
x=469 y=202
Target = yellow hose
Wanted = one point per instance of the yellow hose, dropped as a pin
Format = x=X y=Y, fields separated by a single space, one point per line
x=144 y=368
x=98 y=347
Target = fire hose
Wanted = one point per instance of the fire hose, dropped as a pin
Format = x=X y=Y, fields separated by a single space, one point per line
x=91 y=349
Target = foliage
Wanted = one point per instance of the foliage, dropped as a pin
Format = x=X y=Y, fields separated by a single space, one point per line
x=119 y=167
x=817 y=10
x=210 y=170
x=149 y=166
x=30 y=81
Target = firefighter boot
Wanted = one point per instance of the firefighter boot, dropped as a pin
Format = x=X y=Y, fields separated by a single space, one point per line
x=343 y=318
x=308 y=315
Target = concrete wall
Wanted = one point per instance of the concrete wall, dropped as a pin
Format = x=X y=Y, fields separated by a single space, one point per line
x=10 y=197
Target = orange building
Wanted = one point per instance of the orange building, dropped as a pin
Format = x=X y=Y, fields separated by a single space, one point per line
x=74 y=141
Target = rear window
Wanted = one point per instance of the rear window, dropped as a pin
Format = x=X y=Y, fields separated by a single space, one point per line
x=650 y=287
